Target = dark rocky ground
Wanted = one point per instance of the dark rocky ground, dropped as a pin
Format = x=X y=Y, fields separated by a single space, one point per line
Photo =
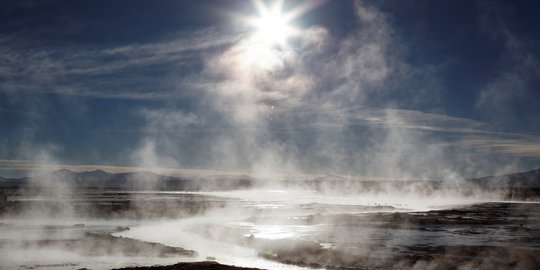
x=417 y=257
x=207 y=265
x=104 y=245
x=109 y=204
x=494 y=235
x=506 y=236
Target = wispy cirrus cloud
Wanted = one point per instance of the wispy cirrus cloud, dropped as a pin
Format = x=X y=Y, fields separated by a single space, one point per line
x=218 y=98
x=74 y=71
x=517 y=146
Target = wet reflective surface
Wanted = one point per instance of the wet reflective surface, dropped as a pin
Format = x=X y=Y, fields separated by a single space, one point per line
x=272 y=229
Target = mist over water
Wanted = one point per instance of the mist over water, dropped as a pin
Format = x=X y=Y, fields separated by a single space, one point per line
x=267 y=220
x=278 y=226
x=318 y=149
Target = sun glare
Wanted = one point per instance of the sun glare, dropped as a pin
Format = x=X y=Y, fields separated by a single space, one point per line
x=268 y=44
x=272 y=25
x=273 y=28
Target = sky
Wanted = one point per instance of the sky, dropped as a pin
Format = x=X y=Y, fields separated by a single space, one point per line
x=404 y=89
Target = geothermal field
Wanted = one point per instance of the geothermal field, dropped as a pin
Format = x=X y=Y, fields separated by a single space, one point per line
x=269 y=134
x=244 y=222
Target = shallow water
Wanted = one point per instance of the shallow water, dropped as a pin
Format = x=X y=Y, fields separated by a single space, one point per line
x=288 y=215
x=248 y=223
x=283 y=199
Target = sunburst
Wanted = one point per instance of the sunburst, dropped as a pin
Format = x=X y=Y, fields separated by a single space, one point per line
x=273 y=24
x=267 y=47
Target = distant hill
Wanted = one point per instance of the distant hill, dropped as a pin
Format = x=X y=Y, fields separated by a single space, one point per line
x=11 y=182
x=516 y=183
x=515 y=186
x=530 y=179
x=100 y=179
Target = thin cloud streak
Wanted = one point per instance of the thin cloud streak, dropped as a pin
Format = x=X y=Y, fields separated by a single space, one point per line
x=518 y=147
x=58 y=71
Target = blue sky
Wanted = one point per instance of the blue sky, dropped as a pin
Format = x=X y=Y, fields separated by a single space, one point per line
x=412 y=89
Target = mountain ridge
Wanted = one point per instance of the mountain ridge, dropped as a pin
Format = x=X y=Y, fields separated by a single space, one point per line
x=144 y=180
x=100 y=179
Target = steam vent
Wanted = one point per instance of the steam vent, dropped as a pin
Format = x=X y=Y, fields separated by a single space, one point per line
x=269 y=134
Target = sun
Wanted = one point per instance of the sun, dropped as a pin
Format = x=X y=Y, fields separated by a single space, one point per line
x=273 y=28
